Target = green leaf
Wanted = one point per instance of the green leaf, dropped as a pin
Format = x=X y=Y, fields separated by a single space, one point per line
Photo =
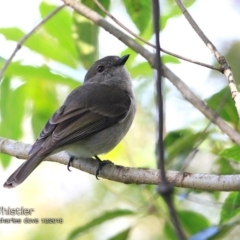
x=172 y=10
x=223 y=231
x=200 y=222
x=231 y=207
x=86 y=34
x=54 y=40
x=12 y=109
x=99 y=220
x=232 y=53
x=92 y=5
x=179 y=143
x=40 y=73
x=42 y=43
x=142 y=69
x=40 y=89
x=228 y=111
x=169 y=233
x=59 y=28
x=13 y=33
x=45 y=103
x=140 y=12
x=224 y=167
x=86 y=39
x=170 y=59
x=232 y=153
x=121 y=235
x=147 y=33
x=191 y=222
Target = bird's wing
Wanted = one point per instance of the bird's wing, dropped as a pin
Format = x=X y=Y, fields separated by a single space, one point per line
x=89 y=109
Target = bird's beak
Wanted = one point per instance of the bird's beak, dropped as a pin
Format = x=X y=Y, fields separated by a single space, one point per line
x=121 y=61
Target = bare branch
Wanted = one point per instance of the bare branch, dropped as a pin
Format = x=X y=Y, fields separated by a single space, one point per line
x=220 y=58
x=22 y=40
x=165 y=189
x=159 y=90
x=205 y=182
x=191 y=60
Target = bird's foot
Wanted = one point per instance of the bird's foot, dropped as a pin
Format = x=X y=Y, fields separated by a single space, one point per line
x=69 y=163
x=101 y=164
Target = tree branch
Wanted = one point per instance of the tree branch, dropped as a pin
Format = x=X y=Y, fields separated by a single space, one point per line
x=220 y=58
x=205 y=182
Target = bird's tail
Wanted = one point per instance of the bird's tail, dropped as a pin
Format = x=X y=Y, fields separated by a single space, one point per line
x=23 y=171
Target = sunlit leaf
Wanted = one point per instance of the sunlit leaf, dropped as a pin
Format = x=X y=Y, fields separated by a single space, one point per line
x=232 y=58
x=179 y=143
x=140 y=12
x=99 y=220
x=45 y=103
x=85 y=34
x=170 y=59
x=92 y=5
x=223 y=100
x=172 y=10
x=56 y=45
x=59 y=28
x=122 y=235
x=12 y=104
x=169 y=233
x=223 y=231
x=43 y=44
x=231 y=207
x=232 y=153
x=142 y=69
x=224 y=166
x=40 y=73
x=186 y=218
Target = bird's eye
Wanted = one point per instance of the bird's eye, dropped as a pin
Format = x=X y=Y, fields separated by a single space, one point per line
x=100 y=68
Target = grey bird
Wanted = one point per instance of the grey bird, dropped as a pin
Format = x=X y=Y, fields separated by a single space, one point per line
x=93 y=119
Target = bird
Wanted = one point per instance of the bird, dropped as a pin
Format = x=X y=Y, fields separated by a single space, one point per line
x=93 y=119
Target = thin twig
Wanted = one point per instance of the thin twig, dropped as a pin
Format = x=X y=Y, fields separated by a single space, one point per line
x=165 y=189
x=192 y=61
x=24 y=38
x=150 y=44
x=159 y=90
x=220 y=58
